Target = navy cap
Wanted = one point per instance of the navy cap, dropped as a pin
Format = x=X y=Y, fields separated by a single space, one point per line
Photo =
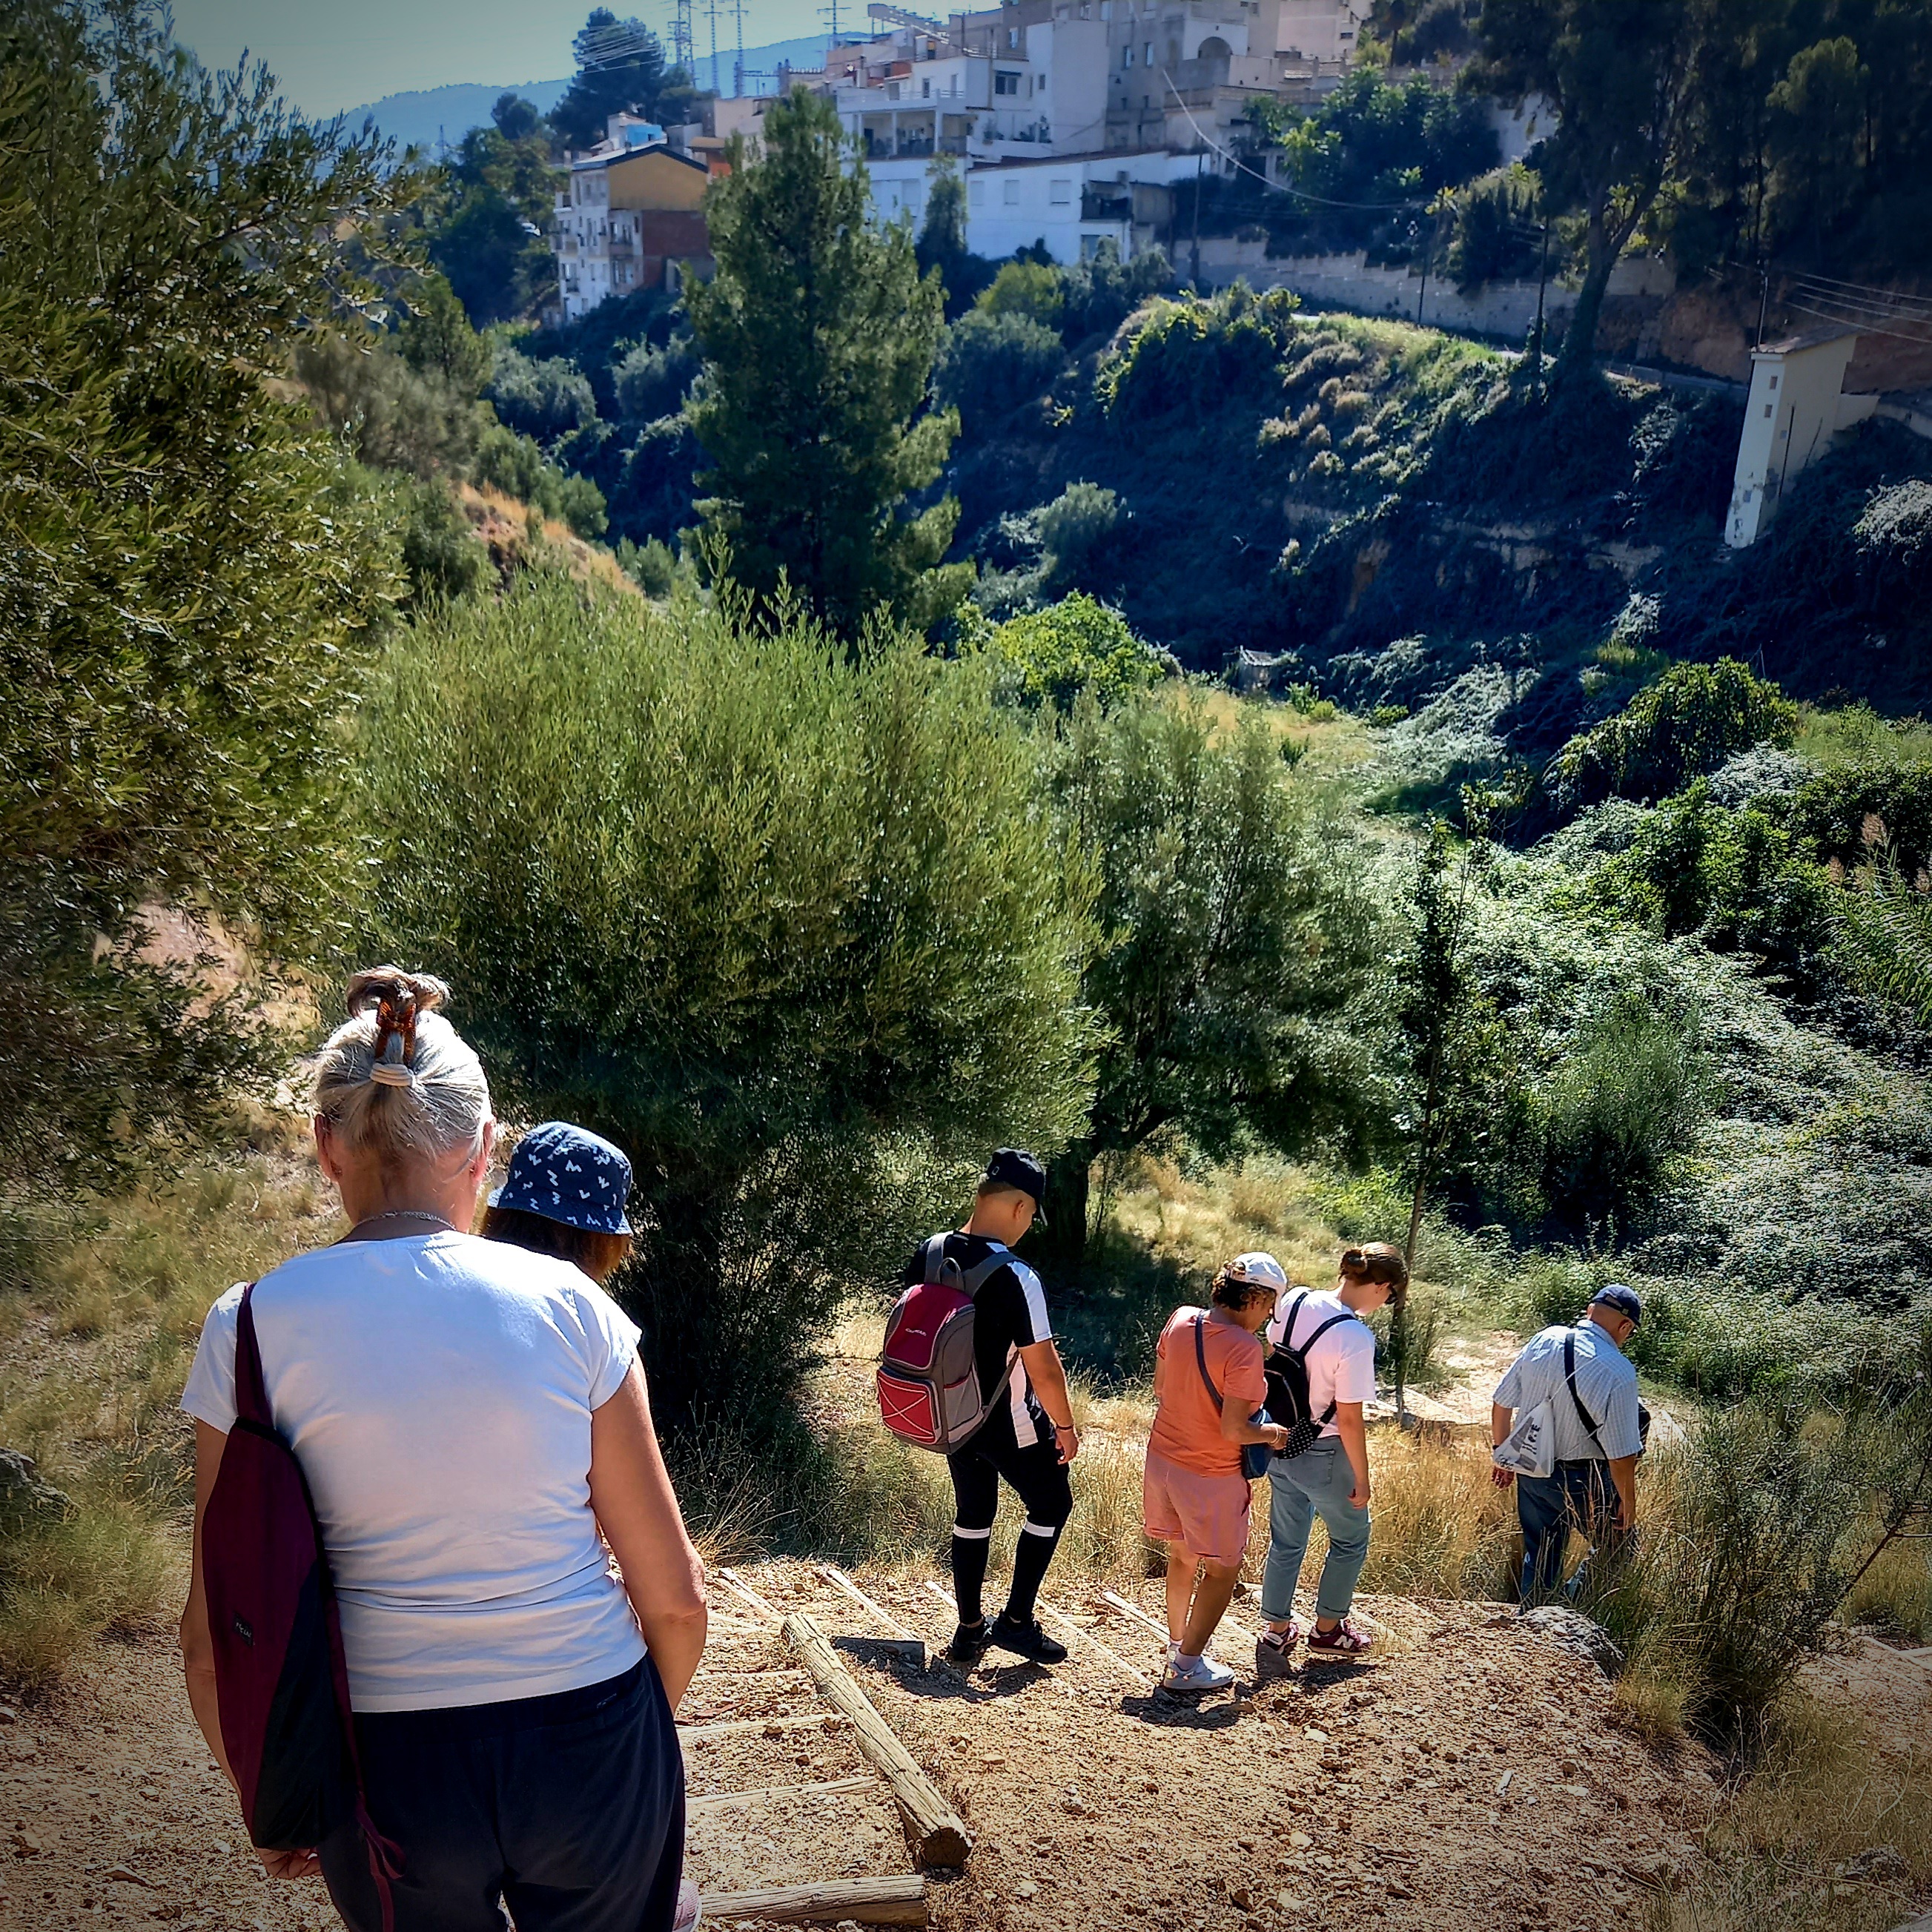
x=1014 y=1167
x=567 y=1173
x=1624 y=1301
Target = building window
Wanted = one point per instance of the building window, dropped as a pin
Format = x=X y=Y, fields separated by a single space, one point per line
x=1005 y=81
x=1147 y=55
x=1127 y=55
x=1013 y=38
x=1011 y=194
x=975 y=194
x=1770 y=410
x=1060 y=192
x=925 y=90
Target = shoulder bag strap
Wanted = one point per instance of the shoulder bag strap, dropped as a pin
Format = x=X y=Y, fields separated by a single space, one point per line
x=1201 y=1359
x=1570 y=1376
x=251 y=1392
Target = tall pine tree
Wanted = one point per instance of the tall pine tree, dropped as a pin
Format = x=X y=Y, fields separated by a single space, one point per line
x=818 y=334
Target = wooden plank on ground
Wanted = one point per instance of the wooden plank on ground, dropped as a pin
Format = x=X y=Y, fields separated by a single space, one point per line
x=909 y=1643
x=766 y=1794
x=739 y=1587
x=899 y=1899
x=1904 y=1657
x=1134 y=1610
x=1093 y=1642
x=939 y=1834
x=739 y=1727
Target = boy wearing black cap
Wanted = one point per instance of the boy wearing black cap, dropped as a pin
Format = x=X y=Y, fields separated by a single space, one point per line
x=1597 y=1426
x=1028 y=1436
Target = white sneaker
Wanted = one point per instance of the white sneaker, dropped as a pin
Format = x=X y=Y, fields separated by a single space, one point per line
x=1195 y=1673
x=690 y=1909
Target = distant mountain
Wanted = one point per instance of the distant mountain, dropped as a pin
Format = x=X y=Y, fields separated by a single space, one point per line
x=423 y=119
x=439 y=114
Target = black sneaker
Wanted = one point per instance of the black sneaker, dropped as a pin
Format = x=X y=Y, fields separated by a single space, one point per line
x=969 y=1643
x=1025 y=1640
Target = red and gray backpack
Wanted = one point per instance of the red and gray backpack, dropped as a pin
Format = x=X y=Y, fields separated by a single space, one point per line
x=280 y=1677
x=929 y=1377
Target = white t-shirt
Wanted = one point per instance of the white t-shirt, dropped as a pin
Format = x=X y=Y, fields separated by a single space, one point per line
x=1342 y=1365
x=438 y=1391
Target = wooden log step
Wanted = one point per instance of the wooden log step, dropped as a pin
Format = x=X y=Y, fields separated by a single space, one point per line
x=739 y=1588
x=721 y=1801
x=899 y=1899
x=739 y=1727
x=938 y=1833
x=909 y=1643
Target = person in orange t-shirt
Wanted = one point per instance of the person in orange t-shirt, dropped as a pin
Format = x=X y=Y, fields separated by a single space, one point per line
x=1210 y=1377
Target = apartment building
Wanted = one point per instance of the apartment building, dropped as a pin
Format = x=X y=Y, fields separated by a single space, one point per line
x=632 y=216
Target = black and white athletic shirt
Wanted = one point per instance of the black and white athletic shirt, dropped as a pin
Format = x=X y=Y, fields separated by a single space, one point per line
x=1009 y=1314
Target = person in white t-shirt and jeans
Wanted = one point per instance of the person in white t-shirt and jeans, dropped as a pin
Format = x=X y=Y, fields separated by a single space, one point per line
x=1330 y=1478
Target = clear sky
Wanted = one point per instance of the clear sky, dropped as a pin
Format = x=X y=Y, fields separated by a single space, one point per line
x=330 y=54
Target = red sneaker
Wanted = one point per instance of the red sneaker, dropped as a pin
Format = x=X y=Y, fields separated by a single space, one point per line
x=1344 y=1641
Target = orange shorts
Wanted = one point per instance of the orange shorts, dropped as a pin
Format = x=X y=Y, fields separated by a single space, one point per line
x=1206 y=1515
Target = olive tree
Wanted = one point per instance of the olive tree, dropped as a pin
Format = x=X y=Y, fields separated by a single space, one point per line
x=795 y=928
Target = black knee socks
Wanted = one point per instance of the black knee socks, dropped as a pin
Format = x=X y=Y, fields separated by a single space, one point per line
x=1037 y=1543
x=970 y=1551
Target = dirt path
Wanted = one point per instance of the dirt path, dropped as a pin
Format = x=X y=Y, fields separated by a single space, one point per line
x=1459 y=1781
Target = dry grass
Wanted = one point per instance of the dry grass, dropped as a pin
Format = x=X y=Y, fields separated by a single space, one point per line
x=1831 y=1833
x=1895 y=1594
x=102 y=1310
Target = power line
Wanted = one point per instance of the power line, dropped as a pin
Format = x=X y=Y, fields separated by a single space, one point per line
x=1281 y=188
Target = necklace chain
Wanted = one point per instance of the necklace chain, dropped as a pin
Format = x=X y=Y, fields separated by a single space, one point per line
x=412 y=1214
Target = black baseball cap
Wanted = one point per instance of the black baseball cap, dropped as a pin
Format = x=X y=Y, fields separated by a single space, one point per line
x=1625 y=1300
x=1014 y=1167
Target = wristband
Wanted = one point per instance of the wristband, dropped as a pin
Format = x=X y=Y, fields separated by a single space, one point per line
x=1064 y=1428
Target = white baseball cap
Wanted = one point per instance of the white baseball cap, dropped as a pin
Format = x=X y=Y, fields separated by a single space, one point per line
x=1259 y=1270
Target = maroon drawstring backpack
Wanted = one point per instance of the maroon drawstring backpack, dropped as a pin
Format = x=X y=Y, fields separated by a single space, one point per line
x=279 y=1677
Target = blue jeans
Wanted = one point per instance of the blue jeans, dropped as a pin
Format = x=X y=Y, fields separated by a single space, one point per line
x=1320 y=1481
x=1576 y=1495
x=568 y=1809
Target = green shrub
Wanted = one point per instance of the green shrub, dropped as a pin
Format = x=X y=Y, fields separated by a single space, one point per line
x=1848 y=810
x=444 y=557
x=1684 y=726
x=1739 y=879
x=517 y=466
x=794 y=928
x=544 y=399
x=1195 y=351
x=653 y=383
x=1076 y=645
x=991 y=362
x=386 y=413
x=650 y=565
x=1626 y=1101
x=1033 y=289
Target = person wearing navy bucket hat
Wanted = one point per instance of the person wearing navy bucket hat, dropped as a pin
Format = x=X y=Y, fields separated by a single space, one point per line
x=565 y=1196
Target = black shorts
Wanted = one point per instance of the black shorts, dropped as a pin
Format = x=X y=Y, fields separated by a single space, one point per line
x=568 y=1809
x=1034 y=1470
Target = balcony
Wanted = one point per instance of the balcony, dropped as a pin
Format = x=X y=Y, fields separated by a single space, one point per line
x=623 y=251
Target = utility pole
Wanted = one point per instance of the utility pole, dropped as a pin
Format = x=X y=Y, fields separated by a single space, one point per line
x=1763 y=295
x=683 y=52
x=738 y=79
x=1429 y=253
x=711 y=13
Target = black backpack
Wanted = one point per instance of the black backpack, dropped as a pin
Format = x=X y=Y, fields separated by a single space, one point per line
x=1288 y=1402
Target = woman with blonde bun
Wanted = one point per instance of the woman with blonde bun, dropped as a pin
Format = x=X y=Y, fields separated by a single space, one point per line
x=468 y=1416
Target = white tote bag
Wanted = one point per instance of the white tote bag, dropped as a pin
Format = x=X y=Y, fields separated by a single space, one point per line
x=1530 y=1448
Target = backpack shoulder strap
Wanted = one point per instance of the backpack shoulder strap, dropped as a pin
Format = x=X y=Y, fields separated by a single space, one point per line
x=972 y=1280
x=1570 y=1376
x=1333 y=1321
x=1201 y=1358
x=932 y=1261
x=251 y=1392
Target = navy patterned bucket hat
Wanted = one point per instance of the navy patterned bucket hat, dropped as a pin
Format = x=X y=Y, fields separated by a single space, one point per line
x=567 y=1173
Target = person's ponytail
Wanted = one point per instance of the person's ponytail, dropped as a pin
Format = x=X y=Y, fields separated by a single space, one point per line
x=397 y=1081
